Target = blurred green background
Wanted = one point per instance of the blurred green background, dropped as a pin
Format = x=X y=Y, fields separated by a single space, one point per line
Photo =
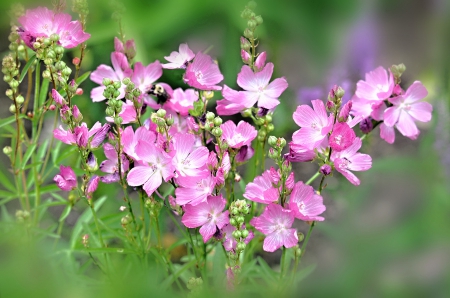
x=389 y=237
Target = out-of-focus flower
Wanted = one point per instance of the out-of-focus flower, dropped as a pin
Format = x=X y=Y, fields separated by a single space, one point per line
x=407 y=109
x=203 y=73
x=66 y=179
x=305 y=203
x=276 y=222
x=179 y=59
x=208 y=215
x=349 y=160
x=42 y=22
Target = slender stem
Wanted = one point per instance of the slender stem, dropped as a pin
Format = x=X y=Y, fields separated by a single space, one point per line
x=283 y=263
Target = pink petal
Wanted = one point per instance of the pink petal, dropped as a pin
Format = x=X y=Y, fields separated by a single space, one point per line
x=139 y=175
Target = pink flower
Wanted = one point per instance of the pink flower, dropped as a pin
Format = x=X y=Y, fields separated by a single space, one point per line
x=194 y=190
x=305 y=203
x=144 y=77
x=58 y=98
x=275 y=223
x=208 y=215
x=260 y=61
x=120 y=70
x=179 y=59
x=156 y=167
x=238 y=136
x=378 y=86
x=315 y=124
x=130 y=139
x=258 y=89
x=232 y=102
x=407 y=108
x=64 y=136
x=42 y=22
x=182 y=101
x=66 y=179
x=348 y=160
x=342 y=136
x=188 y=160
x=299 y=153
x=203 y=73
x=129 y=49
x=261 y=189
x=92 y=185
x=111 y=164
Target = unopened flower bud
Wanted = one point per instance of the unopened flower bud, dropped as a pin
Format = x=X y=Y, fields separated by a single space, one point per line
x=237 y=234
x=54 y=37
x=273 y=154
x=12 y=108
x=126 y=81
x=9 y=93
x=252 y=24
x=259 y=20
x=269 y=118
x=52 y=107
x=19 y=99
x=170 y=120
x=325 y=170
x=210 y=116
x=248 y=33
x=217 y=121
x=117 y=84
x=270 y=127
x=272 y=141
x=300 y=236
x=118 y=120
x=208 y=94
x=366 y=125
x=240 y=246
x=233 y=221
x=76 y=61
x=7 y=150
x=244 y=233
x=330 y=106
x=246 y=113
x=240 y=219
x=36 y=45
x=107 y=81
x=161 y=113
x=217 y=131
x=245 y=44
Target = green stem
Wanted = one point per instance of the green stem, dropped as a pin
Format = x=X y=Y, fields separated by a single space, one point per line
x=283 y=263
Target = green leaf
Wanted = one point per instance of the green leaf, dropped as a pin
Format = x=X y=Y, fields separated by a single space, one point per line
x=85 y=217
x=44 y=91
x=55 y=151
x=171 y=279
x=27 y=155
x=58 y=197
x=4 y=180
x=268 y=272
x=10 y=120
x=26 y=67
x=5 y=215
x=65 y=212
x=82 y=78
x=118 y=250
x=64 y=154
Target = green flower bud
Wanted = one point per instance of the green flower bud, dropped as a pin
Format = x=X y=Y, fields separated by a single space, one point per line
x=36 y=45
x=273 y=154
x=233 y=221
x=300 y=236
x=272 y=141
x=60 y=65
x=259 y=20
x=117 y=84
x=7 y=78
x=21 y=48
x=252 y=24
x=252 y=5
x=12 y=109
x=210 y=116
x=118 y=105
x=248 y=33
x=54 y=37
x=259 y=121
x=13 y=46
x=14 y=84
x=217 y=121
x=240 y=246
x=217 y=131
x=118 y=120
x=46 y=74
x=268 y=118
x=116 y=94
x=232 y=256
x=240 y=219
x=9 y=93
x=246 y=210
x=7 y=150
x=136 y=92
x=246 y=113
x=48 y=61
x=109 y=112
x=51 y=54
x=339 y=92
x=234 y=210
x=126 y=81
x=59 y=50
x=169 y=120
x=270 y=127
x=262 y=133
x=282 y=142
x=19 y=99
x=66 y=71
x=125 y=220
x=236 y=234
x=161 y=113
x=106 y=81
x=244 y=233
